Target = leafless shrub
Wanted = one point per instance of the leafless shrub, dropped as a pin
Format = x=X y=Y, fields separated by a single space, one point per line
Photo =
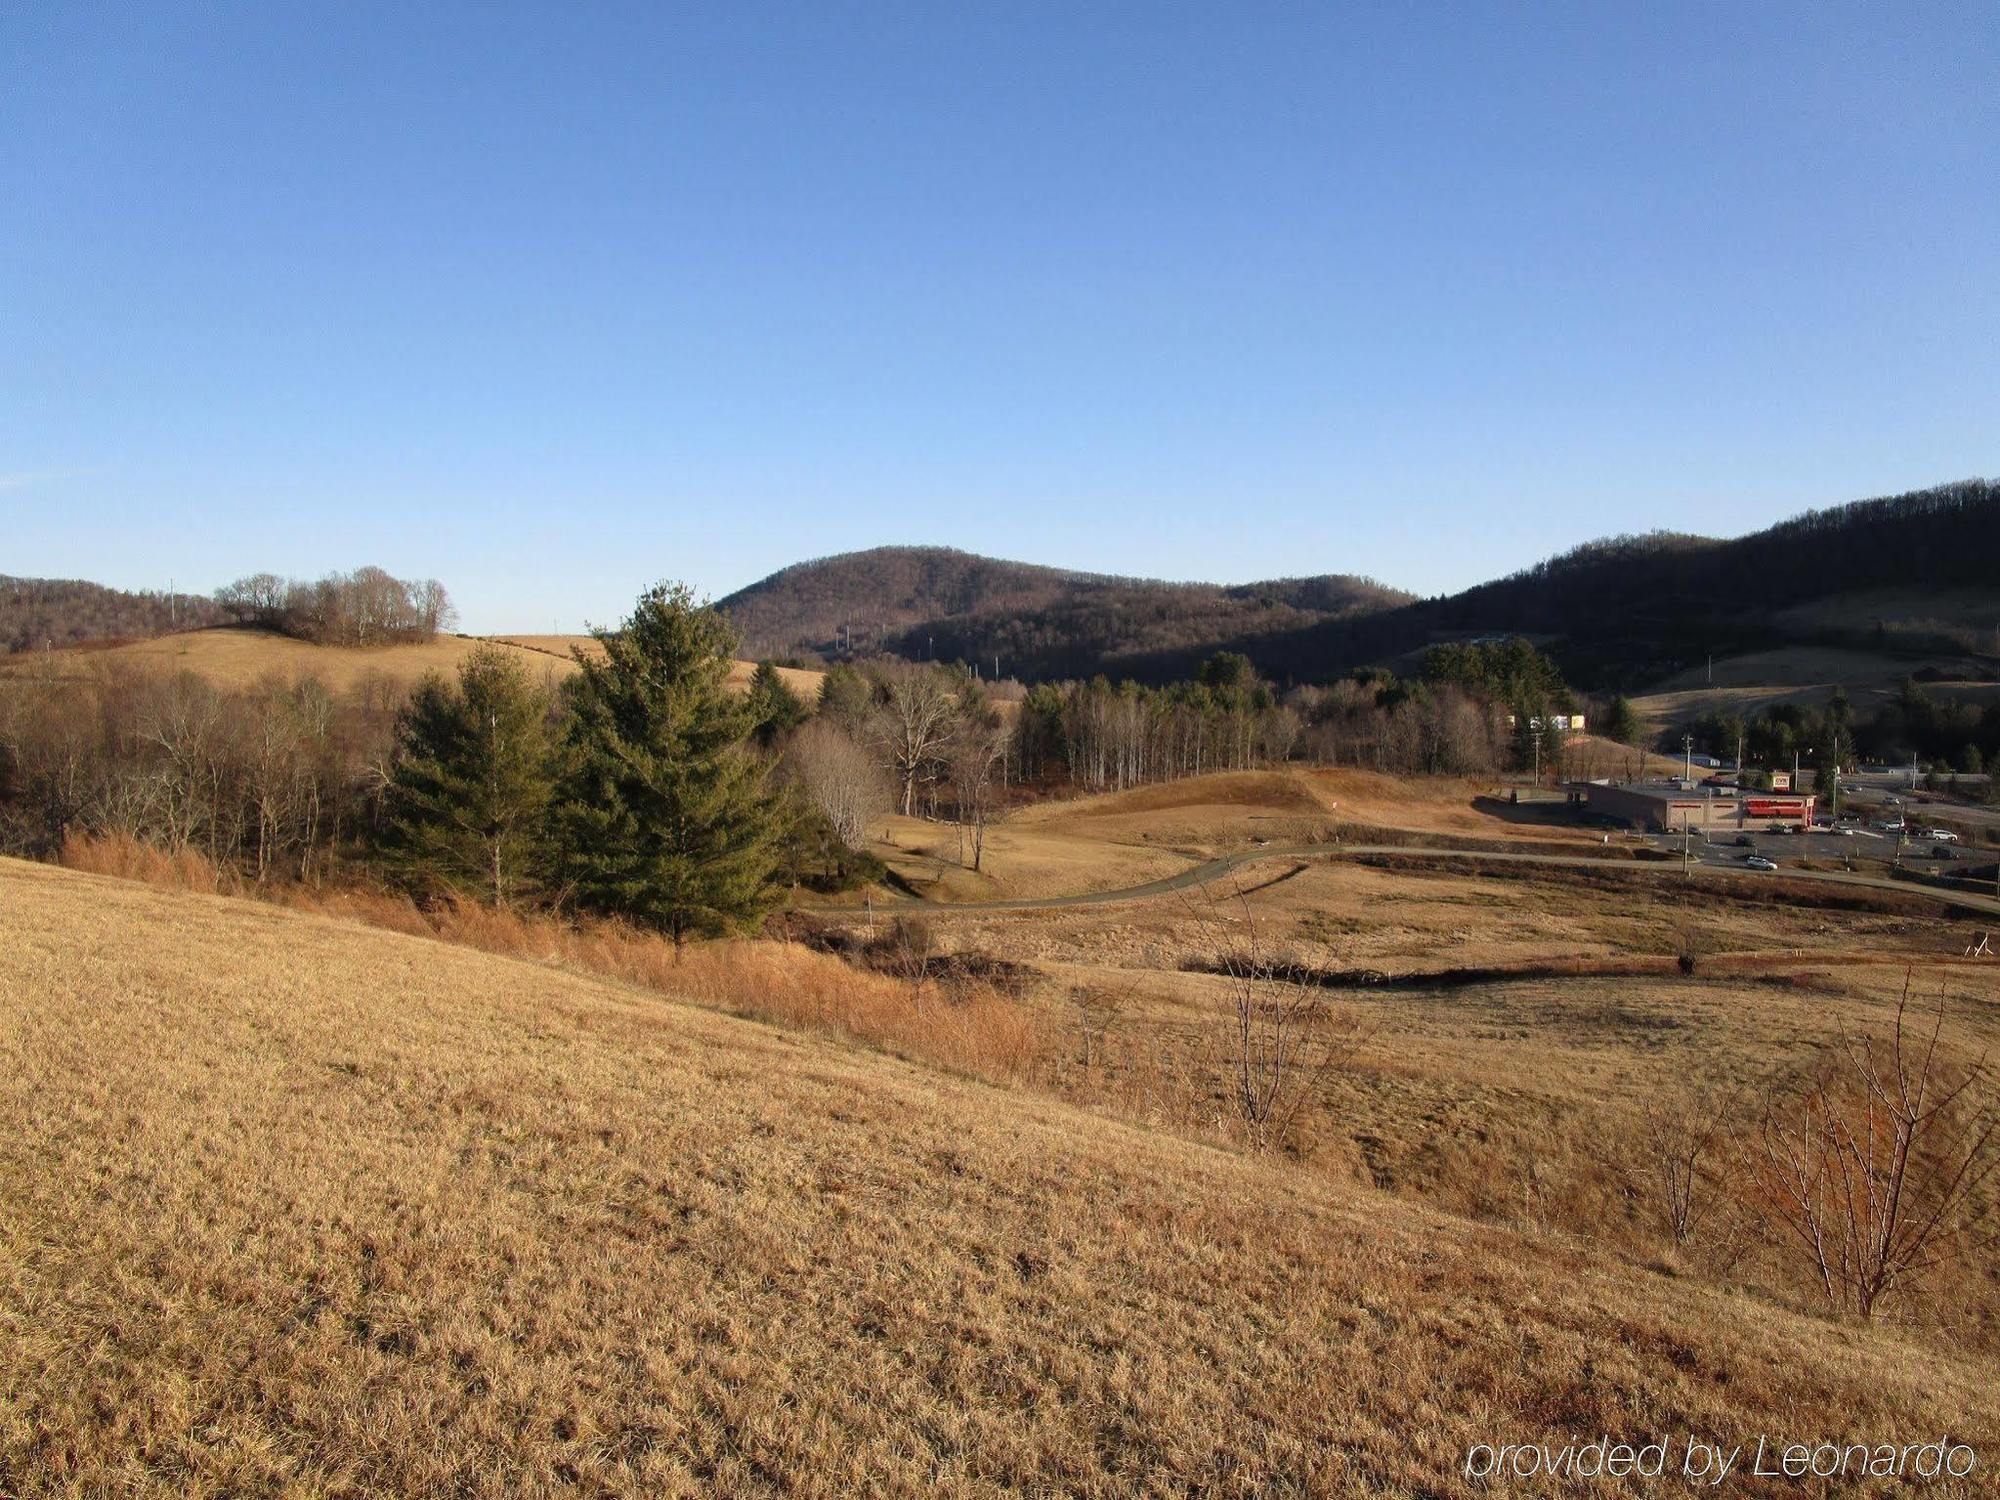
x=1097 y=1011
x=1693 y=945
x=1683 y=1140
x=1870 y=1168
x=1283 y=1038
x=912 y=954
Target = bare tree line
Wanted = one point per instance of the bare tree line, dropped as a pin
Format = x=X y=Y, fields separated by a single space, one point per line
x=268 y=779
x=367 y=607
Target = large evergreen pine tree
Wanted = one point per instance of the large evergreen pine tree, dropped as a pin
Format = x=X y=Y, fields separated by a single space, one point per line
x=664 y=817
x=470 y=784
x=775 y=710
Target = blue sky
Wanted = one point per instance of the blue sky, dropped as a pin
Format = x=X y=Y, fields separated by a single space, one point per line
x=550 y=301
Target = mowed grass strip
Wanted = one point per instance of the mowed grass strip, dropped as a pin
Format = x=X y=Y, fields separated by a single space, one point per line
x=291 y=1206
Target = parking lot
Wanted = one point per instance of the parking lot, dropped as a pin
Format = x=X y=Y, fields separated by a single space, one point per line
x=1857 y=845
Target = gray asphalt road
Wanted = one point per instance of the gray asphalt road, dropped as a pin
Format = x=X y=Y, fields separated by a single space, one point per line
x=1209 y=870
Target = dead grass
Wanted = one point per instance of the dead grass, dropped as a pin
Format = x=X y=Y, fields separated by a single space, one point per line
x=239 y=658
x=289 y=1206
x=1531 y=1016
x=973 y=1028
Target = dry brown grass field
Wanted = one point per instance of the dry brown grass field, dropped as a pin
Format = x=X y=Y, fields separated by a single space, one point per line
x=1121 y=839
x=296 y=1206
x=237 y=658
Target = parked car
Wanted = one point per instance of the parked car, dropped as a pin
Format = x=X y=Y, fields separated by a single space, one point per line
x=1758 y=862
x=1940 y=835
x=1943 y=851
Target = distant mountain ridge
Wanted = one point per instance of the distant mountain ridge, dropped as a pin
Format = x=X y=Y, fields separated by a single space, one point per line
x=1628 y=610
x=938 y=601
x=1618 y=612
x=1915 y=577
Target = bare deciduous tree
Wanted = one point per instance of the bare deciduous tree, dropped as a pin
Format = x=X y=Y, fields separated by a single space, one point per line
x=975 y=766
x=916 y=725
x=1871 y=1165
x=840 y=778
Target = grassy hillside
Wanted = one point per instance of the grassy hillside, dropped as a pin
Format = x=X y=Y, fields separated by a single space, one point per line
x=291 y=1206
x=236 y=657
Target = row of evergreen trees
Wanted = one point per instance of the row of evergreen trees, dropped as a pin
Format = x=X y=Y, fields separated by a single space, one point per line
x=644 y=800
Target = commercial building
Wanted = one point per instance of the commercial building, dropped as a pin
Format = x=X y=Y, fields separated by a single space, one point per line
x=1671 y=805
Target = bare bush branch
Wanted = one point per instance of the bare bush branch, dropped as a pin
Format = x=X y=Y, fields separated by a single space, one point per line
x=1871 y=1166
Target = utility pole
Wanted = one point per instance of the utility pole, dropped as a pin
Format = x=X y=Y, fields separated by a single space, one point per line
x=1687 y=750
x=1687 y=848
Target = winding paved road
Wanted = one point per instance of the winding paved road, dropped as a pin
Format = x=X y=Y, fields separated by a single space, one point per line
x=1208 y=870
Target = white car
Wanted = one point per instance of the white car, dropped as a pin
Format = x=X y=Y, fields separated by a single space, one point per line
x=1758 y=862
x=1939 y=835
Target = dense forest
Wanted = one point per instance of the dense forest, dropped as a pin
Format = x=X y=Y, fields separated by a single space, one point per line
x=1615 y=613
x=36 y=613
x=1155 y=632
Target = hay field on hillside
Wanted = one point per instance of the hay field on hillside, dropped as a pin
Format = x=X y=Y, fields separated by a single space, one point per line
x=293 y=1206
x=236 y=658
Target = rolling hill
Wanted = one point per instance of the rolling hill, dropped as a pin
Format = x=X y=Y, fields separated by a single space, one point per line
x=294 y=1206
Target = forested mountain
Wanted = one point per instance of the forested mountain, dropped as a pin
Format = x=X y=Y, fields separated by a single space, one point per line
x=935 y=601
x=1633 y=609
x=1618 y=612
x=37 y=612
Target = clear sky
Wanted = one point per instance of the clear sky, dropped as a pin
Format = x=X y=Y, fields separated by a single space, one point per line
x=552 y=300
